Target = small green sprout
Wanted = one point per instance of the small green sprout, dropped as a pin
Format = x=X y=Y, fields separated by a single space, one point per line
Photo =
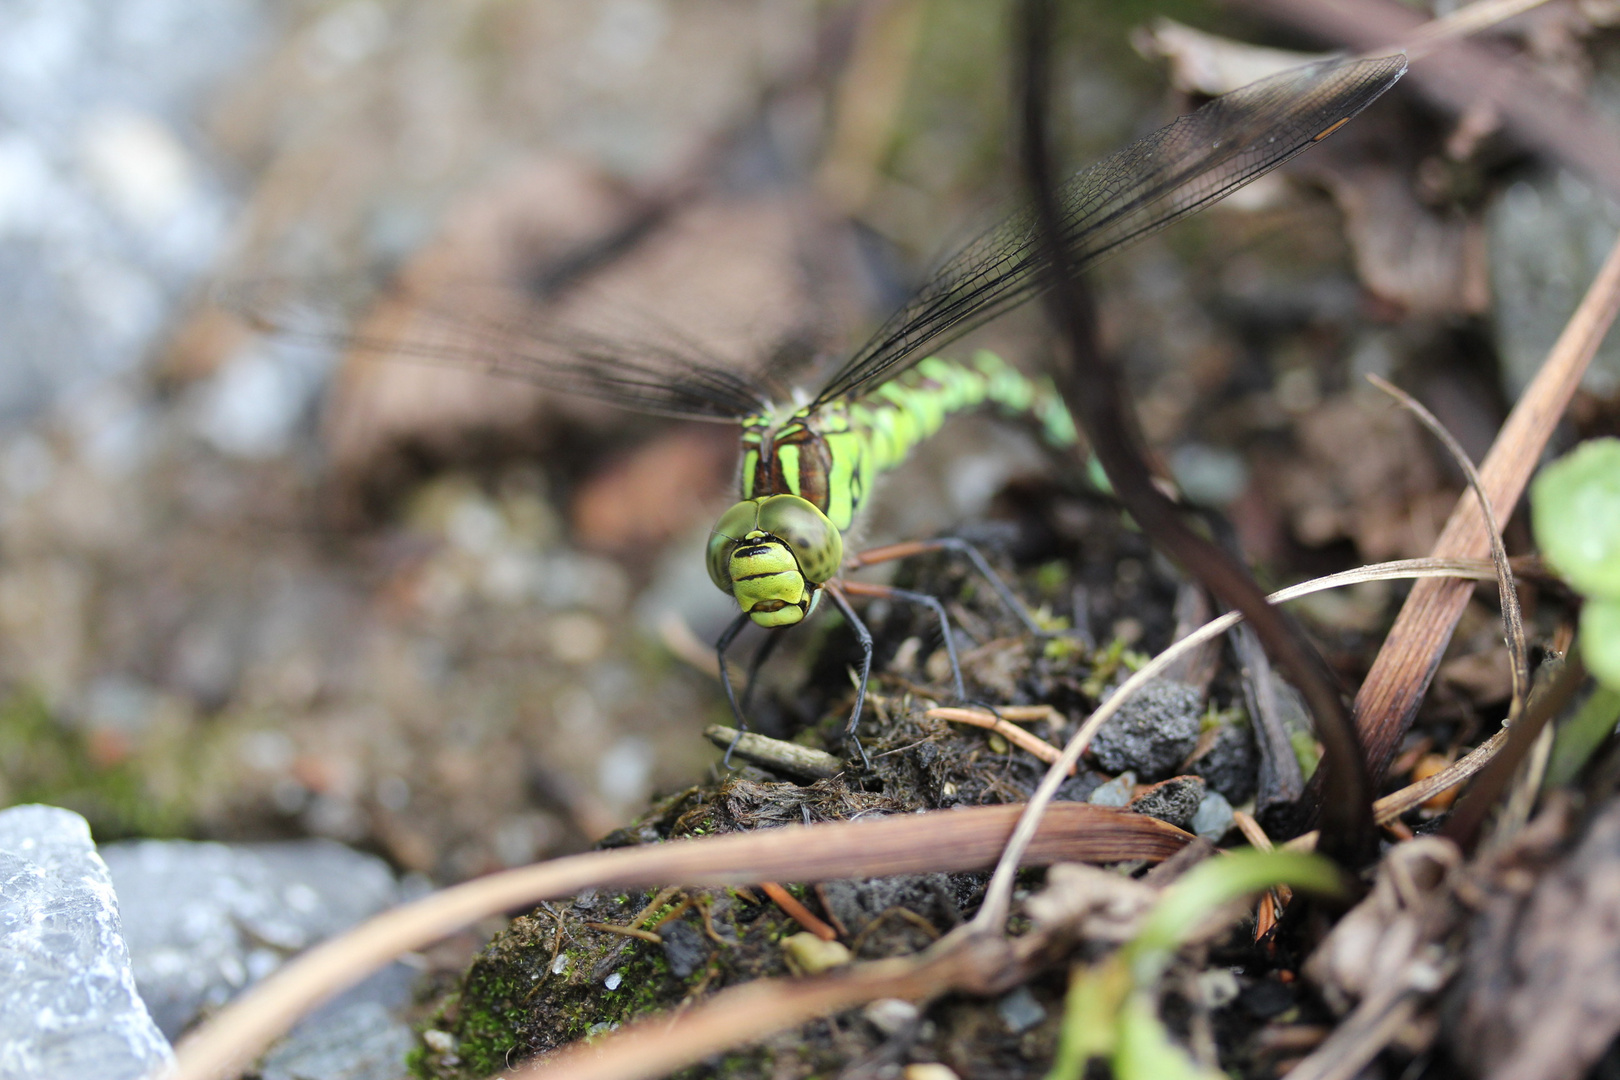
x=1111 y=1010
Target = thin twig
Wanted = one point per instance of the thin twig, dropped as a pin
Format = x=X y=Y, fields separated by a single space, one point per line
x=625 y=931
x=990 y=722
x=798 y=912
x=1464 y=22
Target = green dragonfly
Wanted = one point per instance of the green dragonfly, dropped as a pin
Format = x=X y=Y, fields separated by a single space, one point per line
x=808 y=463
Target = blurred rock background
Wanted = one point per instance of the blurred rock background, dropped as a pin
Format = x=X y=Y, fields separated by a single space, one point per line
x=268 y=583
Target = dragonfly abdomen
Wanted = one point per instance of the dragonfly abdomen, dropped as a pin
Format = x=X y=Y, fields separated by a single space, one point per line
x=831 y=456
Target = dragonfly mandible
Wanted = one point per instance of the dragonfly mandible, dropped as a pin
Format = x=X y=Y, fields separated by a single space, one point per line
x=808 y=465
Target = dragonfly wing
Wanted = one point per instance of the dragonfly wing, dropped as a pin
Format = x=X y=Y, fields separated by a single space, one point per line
x=498 y=330
x=1157 y=180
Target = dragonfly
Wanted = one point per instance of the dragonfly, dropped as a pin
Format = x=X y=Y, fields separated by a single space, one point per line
x=811 y=458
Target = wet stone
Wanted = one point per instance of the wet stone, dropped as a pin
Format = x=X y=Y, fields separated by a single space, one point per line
x=1231 y=762
x=685 y=948
x=206 y=920
x=68 y=1004
x=1214 y=818
x=1153 y=732
x=1175 y=800
x=362 y=1042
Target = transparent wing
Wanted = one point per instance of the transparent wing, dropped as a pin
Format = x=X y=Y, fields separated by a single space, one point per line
x=1178 y=170
x=633 y=364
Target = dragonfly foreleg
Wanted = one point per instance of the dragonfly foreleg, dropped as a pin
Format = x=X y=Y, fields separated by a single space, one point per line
x=956 y=546
x=864 y=635
x=720 y=648
x=889 y=592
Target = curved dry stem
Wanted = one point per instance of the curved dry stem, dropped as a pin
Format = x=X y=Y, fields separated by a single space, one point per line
x=1512 y=620
x=998 y=897
x=949 y=841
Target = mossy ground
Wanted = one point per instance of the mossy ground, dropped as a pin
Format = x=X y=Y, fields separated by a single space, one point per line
x=550 y=978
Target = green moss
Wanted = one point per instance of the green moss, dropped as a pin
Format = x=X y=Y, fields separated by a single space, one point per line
x=44 y=760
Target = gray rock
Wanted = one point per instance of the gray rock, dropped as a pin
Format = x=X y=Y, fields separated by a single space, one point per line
x=361 y=1042
x=111 y=209
x=1547 y=236
x=203 y=920
x=1020 y=1011
x=685 y=948
x=1116 y=792
x=1231 y=763
x=1175 y=800
x=1214 y=818
x=68 y=1005
x=1153 y=732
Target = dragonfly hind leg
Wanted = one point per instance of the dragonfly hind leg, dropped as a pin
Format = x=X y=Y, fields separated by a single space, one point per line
x=956 y=546
x=889 y=592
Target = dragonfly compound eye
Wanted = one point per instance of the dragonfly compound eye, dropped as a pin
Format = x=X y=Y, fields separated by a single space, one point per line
x=771 y=553
x=814 y=541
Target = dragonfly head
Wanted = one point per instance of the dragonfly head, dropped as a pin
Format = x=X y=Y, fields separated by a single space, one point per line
x=773 y=554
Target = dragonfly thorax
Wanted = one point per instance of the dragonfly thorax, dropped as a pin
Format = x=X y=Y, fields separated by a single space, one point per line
x=773 y=554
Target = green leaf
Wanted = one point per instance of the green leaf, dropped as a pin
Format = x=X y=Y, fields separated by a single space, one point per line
x=1110 y=1009
x=1090 y=1016
x=1600 y=640
x=1211 y=884
x=1575 y=511
x=1580 y=736
x=1146 y=1051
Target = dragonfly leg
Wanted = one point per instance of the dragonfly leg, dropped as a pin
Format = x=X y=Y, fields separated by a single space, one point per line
x=720 y=647
x=956 y=546
x=889 y=592
x=836 y=591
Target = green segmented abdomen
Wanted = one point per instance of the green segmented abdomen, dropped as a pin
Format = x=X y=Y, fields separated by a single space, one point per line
x=833 y=456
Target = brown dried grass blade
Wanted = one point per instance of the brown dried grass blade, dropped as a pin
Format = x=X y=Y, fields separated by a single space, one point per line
x=948 y=841
x=1401 y=673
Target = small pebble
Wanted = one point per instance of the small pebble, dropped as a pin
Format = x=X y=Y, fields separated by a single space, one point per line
x=612 y=981
x=440 y=1042
x=1230 y=763
x=891 y=1015
x=1117 y=792
x=809 y=955
x=929 y=1071
x=1175 y=800
x=1153 y=732
x=1217 y=987
x=1214 y=818
x=1020 y=1011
